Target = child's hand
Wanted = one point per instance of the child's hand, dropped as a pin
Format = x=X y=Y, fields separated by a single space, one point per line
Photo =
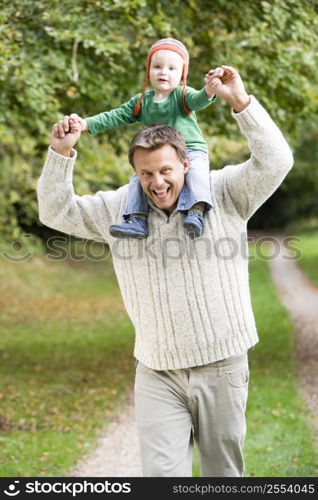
x=76 y=121
x=74 y=125
x=209 y=80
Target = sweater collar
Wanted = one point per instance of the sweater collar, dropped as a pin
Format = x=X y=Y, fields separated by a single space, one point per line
x=159 y=211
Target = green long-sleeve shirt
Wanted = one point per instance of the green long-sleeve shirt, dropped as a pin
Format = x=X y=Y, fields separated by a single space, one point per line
x=168 y=112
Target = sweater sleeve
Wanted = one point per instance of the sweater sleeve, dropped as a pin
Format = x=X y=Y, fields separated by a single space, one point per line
x=248 y=185
x=113 y=118
x=196 y=99
x=87 y=216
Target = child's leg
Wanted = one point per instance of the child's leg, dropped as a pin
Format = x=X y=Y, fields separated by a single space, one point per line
x=137 y=203
x=199 y=198
x=198 y=179
x=135 y=216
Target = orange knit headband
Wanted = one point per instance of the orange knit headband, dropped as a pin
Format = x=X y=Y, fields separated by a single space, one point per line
x=175 y=46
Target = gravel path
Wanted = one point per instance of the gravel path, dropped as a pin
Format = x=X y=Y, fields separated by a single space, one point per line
x=300 y=298
x=117 y=454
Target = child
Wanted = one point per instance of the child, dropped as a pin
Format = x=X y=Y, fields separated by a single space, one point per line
x=171 y=104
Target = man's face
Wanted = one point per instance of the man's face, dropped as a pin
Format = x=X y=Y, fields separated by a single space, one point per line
x=161 y=174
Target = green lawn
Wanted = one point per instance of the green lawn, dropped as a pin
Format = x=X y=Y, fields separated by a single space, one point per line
x=308 y=261
x=66 y=361
x=279 y=440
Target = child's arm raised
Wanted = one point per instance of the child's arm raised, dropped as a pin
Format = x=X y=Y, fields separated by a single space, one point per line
x=108 y=119
x=209 y=89
x=198 y=99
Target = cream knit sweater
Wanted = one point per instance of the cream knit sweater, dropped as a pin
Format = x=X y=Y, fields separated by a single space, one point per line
x=188 y=300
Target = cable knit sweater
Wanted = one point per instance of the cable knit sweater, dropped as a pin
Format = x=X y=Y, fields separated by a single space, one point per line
x=189 y=300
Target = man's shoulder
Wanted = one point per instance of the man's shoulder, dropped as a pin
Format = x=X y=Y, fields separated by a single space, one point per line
x=115 y=194
x=113 y=198
x=220 y=173
x=225 y=170
x=219 y=177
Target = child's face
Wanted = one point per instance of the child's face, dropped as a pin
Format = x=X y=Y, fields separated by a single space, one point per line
x=165 y=70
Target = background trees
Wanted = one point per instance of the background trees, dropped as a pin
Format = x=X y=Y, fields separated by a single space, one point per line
x=87 y=56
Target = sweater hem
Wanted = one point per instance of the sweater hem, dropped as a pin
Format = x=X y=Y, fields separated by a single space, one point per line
x=203 y=355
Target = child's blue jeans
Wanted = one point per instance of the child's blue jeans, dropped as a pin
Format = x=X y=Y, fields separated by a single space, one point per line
x=196 y=189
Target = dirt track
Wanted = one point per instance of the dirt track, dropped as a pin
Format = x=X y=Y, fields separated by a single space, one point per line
x=116 y=453
x=300 y=298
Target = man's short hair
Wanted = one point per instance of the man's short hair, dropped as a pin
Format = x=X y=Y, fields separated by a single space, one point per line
x=154 y=137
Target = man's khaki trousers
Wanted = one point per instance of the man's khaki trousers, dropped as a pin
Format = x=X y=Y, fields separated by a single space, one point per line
x=205 y=405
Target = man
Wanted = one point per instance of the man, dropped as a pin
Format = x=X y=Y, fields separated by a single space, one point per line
x=188 y=299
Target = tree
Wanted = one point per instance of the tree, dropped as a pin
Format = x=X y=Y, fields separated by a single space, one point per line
x=87 y=56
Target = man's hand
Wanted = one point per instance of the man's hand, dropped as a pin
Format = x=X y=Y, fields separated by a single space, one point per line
x=226 y=83
x=63 y=137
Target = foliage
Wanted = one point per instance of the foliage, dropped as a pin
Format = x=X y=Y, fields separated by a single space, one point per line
x=66 y=353
x=280 y=436
x=295 y=204
x=87 y=56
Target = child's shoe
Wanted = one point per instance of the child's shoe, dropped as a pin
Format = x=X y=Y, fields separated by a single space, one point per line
x=193 y=224
x=132 y=227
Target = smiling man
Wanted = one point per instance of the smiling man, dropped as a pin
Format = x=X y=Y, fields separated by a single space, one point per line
x=162 y=170
x=192 y=313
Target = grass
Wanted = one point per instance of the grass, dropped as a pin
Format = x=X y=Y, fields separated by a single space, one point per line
x=308 y=246
x=66 y=362
x=279 y=439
